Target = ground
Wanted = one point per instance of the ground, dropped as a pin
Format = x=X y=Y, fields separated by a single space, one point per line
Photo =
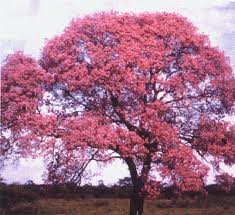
x=94 y=206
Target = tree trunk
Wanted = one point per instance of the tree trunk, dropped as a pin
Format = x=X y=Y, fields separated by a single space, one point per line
x=136 y=205
x=137 y=198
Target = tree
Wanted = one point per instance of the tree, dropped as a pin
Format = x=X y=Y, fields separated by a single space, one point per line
x=148 y=89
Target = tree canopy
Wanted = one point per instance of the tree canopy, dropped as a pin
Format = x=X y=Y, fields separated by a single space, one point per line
x=146 y=88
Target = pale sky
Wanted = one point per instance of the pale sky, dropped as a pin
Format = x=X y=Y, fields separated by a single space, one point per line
x=25 y=24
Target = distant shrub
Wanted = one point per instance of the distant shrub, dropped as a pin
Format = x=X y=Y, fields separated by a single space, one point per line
x=10 y=195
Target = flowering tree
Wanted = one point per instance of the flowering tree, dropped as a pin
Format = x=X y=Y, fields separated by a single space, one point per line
x=148 y=89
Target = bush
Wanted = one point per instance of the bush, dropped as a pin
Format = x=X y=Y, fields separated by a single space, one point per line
x=10 y=195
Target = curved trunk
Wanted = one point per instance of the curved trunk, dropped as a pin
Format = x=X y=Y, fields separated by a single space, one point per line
x=136 y=205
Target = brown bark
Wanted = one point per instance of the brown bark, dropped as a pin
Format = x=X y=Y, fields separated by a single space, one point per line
x=137 y=199
x=136 y=205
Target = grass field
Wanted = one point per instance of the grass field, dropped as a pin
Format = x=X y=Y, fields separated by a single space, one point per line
x=113 y=207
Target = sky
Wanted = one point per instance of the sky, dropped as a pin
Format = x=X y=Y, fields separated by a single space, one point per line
x=26 y=24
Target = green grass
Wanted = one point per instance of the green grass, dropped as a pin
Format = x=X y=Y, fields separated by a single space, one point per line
x=110 y=207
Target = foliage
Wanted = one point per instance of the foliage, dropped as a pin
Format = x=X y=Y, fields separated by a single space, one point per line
x=125 y=182
x=148 y=89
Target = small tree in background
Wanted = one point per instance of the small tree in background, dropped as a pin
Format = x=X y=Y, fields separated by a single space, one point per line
x=148 y=89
